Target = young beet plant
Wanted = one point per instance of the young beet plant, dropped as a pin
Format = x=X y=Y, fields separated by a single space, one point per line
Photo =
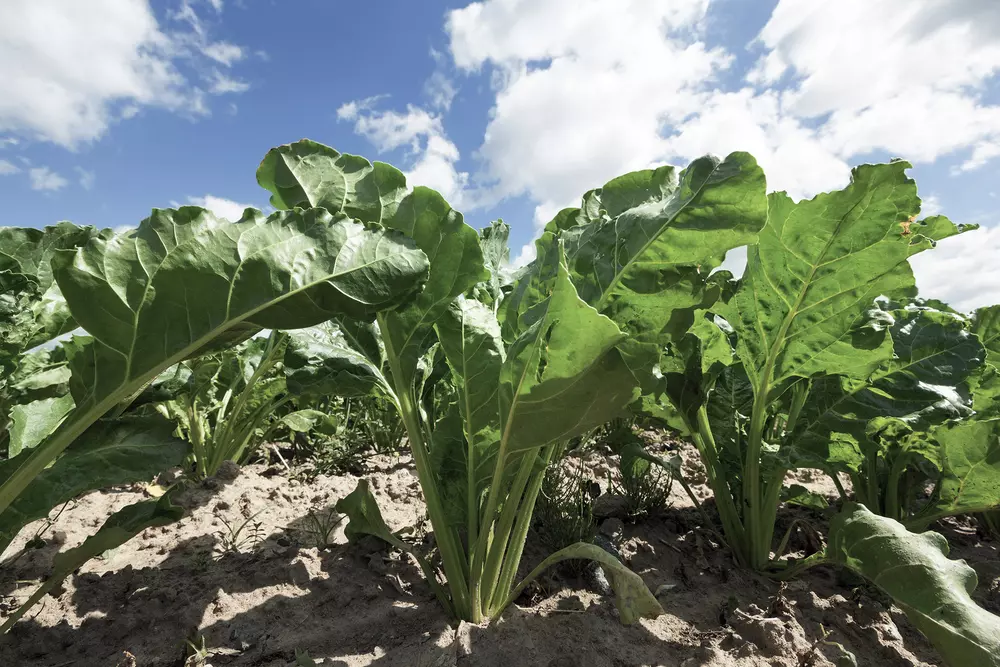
x=482 y=434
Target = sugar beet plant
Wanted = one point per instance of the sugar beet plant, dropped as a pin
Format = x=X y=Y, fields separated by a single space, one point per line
x=796 y=362
x=481 y=436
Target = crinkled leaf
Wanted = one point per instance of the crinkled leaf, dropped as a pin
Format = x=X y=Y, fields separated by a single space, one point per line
x=914 y=569
x=924 y=383
x=328 y=359
x=970 y=467
x=817 y=268
x=308 y=172
x=30 y=423
x=641 y=248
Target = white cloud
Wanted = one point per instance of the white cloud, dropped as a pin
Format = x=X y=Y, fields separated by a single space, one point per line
x=440 y=90
x=930 y=205
x=224 y=52
x=220 y=206
x=68 y=70
x=87 y=178
x=894 y=75
x=433 y=155
x=962 y=270
x=583 y=94
x=7 y=167
x=43 y=178
x=221 y=84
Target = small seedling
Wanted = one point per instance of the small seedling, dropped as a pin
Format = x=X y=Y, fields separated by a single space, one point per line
x=565 y=508
x=320 y=526
x=645 y=487
x=239 y=537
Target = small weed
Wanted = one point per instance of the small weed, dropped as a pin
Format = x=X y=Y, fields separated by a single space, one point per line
x=564 y=511
x=645 y=487
x=320 y=526
x=239 y=537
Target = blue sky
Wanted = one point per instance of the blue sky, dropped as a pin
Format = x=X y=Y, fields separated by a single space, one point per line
x=512 y=108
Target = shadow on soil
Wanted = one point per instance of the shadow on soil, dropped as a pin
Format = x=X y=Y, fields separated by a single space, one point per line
x=355 y=605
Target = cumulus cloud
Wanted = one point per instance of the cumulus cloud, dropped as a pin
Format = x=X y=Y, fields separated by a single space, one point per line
x=431 y=155
x=7 y=167
x=220 y=206
x=583 y=94
x=43 y=178
x=68 y=70
x=87 y=178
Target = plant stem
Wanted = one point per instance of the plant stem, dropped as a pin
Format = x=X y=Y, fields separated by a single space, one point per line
x=452 y=557
x=504 y=526
x=513 y=558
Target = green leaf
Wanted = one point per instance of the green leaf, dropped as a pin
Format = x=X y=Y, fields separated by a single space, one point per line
x=32 y=422
x=563 y=375
x=496 y=258
x=120 y=527
x=108 y=454
x=642 y=247
x=185 y=281
x=970 y=468
x=915 y=571
x=365 y=518
x=632 y=597
x=796 y=494
x=310 y=173
x=817 y=268
x=923 y=384
x=465 y=457
x=986 y=325
x=28 y=252
x=303 y=421
x=328 y=359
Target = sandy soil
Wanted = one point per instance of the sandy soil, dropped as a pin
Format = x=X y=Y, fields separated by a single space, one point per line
x=349 y=606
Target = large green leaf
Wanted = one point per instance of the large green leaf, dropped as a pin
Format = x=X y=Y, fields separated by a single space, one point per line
x=185 y=281
x=986 y=325
x=29 y=252
x=30 y=423
x=914 y=569
x=120 y=527
x=310 y=173
x=329 y=359
x=924 y=383
x=970 y=468
x=817 y=268
x=464 y=456
x=563 y=374
x=109 y=453
x=641 y=248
